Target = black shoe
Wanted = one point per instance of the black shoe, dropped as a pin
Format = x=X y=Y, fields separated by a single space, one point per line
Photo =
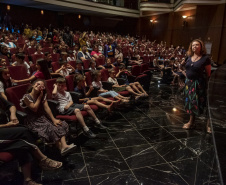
x=89 y=134
x=100 y=126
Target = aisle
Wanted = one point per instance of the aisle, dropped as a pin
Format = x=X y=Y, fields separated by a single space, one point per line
x=144 y=145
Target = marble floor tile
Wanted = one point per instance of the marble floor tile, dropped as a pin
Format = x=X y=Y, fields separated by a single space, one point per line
x=141 y=156
x=171 y=110
x=173 y=151
x=121 y=178
x=153 y=135
x=73 y=167
x=168 y=120
x=119 y=125
x=101 y=142
x=159 y=175
x=127 y=138
x=153 y=112
x=106 y=161
x=142 y=122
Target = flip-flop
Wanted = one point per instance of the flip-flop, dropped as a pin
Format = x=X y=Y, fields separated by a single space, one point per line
x=66 y=151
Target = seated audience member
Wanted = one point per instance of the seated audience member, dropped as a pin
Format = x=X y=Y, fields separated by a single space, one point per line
x=105 y=93
x=124 y=73
x=83 y=54
x=65 y=69
x=19 y=142
x=38 y=50
x=4 y=52
x=71 y=56
x=109 y=48
x=20 y=62
x=82 y=40
x=119 y=88
x=137 y=61
x=48 y=59
x=79 y=68
x=2 y=62
x=118 y=62
x=76 y=50
x=81 y=88
x=92 y=67
x=40 y=119
x=118 y=52
x=95 y=53
x=5 y=81
x=108 y=64
x=68 y=107
x=41 y=73
x=7 y=43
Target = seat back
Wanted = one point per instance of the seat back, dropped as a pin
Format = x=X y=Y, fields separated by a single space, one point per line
x=13 y=50
x=36 y=57
x=49 y=85
x=55 y=57
x=72 y=63
x=146 y=59
x=104 y=75
x=135 y=70
x=31 y=51
x=86 y=64
x=116 y=69
x=14 y=94
x=88 y=78
x=55 y=66
x=70 y=82
x=18 y=72
x=144 y=67
x=47 y=49
x=100 y=61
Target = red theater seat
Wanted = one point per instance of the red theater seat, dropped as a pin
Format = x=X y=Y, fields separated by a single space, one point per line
x=36 y=57
x=5 y=156
x=55 y=57
x=55 y=66
x=18 y=72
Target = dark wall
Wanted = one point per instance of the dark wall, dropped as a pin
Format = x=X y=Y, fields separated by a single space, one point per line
x=19 y=15
x=205 y=22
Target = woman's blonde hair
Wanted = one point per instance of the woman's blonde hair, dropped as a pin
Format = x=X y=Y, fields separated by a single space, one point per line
x=202 y=51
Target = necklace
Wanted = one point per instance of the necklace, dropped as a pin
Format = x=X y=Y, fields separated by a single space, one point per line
x=195 y=60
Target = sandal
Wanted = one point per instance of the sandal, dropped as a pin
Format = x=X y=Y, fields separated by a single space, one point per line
x=49 y=164
x=188 y=126
x=68 y=150
x=208 y=130
x=31 y=182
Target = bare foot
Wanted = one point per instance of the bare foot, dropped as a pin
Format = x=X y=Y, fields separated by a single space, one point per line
x=208 y=130
x=188 y=126
x=110 y=107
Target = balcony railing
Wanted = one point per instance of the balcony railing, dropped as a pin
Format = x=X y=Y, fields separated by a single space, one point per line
x=131 y=4
x=157 y=1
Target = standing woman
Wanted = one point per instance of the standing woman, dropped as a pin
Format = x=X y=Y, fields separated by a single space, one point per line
x=196 y=83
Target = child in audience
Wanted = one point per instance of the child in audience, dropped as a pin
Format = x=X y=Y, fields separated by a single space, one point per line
x=71 y=56
x=40 y=119
x=119 y=88
x=68 y=107
x=105 y=93
x=5 y=81
x=117 y=62
x=65 y=69
x=92 y=66
x=79 y=67
x=20 y=62
x=48 y=59
x=123 y=73
x=81 y=88
x=38 y=50
x=108 y=64
x=41 y=73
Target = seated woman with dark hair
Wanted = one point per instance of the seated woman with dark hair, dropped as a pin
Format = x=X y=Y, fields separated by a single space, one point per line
x=5 y=81
x=40 y=119
x=41 y=73
x=19 y=142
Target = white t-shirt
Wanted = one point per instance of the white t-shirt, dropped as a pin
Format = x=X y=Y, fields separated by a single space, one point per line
x=63 y=99
x=70 y=59
x=114 y=81
x=97 y=85
x=65 y=72
x=25 y=64
x=1 y=87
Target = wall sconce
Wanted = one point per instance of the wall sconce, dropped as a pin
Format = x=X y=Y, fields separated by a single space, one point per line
x=184 y=16
x=79 y=16
x=42 y=12
x=185 y=23
x=8 y=7
x=155 y=21
x=151 y=20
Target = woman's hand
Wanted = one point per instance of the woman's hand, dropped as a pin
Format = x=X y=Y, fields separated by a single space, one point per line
x=57 y=122
x=14 y=119
x=14 y=81
x=12 y=123
x=40 y=95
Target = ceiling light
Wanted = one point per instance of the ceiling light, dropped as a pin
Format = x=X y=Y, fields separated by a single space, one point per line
x=42 y=12
x=8 y=7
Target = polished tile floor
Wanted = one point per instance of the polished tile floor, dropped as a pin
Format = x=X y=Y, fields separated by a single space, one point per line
x=144 y=144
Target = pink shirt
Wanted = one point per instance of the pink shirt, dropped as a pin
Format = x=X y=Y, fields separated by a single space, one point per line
x=39 y=75
x=94 y=52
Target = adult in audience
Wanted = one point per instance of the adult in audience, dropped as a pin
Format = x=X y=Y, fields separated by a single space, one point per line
x=7 y=43
x=5 y=81
x=83 y=54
